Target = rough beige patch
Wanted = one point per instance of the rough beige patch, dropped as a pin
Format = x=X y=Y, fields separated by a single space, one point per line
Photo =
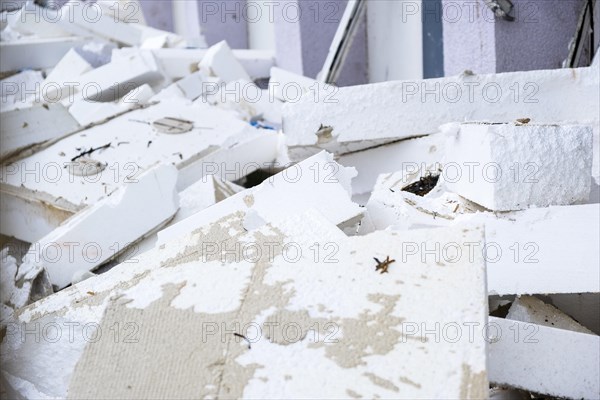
x=149 y=363
x=218 y=234
x=473 y=386
x=222 y=191
x=209 y=367
x=206 y=366
x=258 y=297
x=287 y=327
x=369 y=331
x=79 y=299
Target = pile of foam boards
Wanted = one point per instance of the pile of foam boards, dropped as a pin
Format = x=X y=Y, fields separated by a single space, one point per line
x=429 y=239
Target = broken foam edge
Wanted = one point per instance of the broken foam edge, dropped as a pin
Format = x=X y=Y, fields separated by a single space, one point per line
x=93 y=222
x=317 y=182
x=352 y=121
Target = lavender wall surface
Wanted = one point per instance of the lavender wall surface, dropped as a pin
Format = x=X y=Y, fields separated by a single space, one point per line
x=158 y=14
x=538 y=39
x=223 y=20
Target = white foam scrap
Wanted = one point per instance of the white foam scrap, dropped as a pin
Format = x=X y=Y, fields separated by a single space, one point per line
x=113 y=80
x=190 y=87
x=513 y=166
x=361 y=116
x=214 y=292
x=57 y=84
x=135 y=146
x=523 y=252
x=36 y=53
x=391 y=205
x=88 y=112
x=37 y=21
x=89 y=238
x=202 y=194
x=18 y=91
x=178 y=63
x=408 y=154
x=531 y=252
x=23 y=128
x=317 y=182
x=247 y=99
x=106 y=25
x=534 y=311
x=219 y=61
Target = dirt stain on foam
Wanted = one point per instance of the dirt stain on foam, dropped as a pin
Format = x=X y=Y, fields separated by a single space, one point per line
x=407 y=381
x=249 y=200
x=353 y=394
x=207 y=365
x=473 y=386
x=379 y=381
x=207 y=245
x=152 y=345
x=370 y=333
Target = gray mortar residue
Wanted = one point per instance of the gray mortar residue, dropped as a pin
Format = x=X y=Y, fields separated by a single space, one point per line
x=218 y=234
x=285 y=327
x=374 y=331
x=209 y=368
x=258 y=297
x=80 y=299
x=154 y=364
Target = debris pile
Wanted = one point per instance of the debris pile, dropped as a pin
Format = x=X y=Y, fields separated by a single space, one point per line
x=172 y=229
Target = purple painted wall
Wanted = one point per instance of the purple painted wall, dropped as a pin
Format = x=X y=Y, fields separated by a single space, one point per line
x=288 y=38
x=304 y=30
x=158 y=14
x=223 y=20
x=597 y=27
x=537 y=39
x=356 y=68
